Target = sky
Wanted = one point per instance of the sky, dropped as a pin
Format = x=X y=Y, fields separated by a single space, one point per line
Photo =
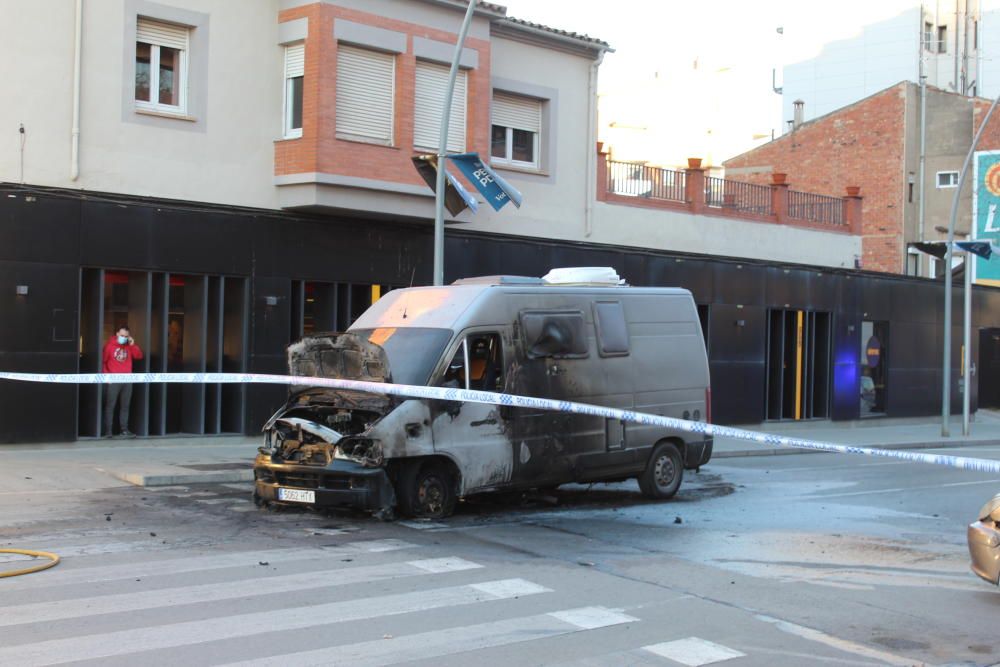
x=666 y=36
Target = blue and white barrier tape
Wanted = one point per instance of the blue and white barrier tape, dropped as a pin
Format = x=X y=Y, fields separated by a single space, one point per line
x=439 y=393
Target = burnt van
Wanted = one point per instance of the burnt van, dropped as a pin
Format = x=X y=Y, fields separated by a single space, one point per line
x=632 y=348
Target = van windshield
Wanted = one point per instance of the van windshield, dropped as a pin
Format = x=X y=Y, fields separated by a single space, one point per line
x=412 y=351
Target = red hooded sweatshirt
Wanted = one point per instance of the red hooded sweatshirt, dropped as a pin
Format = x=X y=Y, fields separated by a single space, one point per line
x=118 y=358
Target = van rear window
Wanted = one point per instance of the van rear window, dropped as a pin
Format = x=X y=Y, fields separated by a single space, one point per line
x=612 y=332
x=554 y=333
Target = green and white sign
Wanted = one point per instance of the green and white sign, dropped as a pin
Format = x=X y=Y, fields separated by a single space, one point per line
x=986 y=214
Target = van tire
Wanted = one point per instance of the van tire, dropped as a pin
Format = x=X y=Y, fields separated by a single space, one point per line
x=663 y=474
x=426 y=490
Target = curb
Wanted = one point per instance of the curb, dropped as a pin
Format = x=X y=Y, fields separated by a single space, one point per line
x=786 y=451
x=216 y=477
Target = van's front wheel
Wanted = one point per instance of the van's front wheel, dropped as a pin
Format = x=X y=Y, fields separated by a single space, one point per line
x=427 y=491
x=663 y=474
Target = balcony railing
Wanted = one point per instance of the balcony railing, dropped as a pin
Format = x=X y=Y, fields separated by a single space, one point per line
x=694 y=191
x=738 y=196
x=633 y=179
x=815 y=208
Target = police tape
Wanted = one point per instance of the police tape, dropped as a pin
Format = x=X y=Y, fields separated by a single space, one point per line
x=510 y=400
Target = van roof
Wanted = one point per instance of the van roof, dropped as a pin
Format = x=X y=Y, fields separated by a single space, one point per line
x=447 y=306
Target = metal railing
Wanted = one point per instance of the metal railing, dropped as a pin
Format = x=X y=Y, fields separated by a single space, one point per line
x=633 y=179
x=738 y=196
x=816 y=208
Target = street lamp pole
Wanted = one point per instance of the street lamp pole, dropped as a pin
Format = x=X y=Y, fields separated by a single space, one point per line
x=946 y=366
x=442 y=153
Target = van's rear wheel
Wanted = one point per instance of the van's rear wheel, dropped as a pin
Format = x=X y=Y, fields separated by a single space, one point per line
x=663 y=474
x=427 y=491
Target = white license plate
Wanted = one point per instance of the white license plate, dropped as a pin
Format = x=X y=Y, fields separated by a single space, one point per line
x=296 y=495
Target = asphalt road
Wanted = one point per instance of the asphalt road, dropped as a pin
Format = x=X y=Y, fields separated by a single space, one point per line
x=790 y=560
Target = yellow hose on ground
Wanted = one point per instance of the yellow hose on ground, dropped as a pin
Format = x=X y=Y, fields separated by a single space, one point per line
x=53 y=559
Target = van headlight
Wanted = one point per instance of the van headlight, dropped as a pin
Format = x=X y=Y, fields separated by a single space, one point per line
x=991 y=510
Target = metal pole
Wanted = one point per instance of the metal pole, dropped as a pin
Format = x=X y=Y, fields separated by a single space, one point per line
x=946 y=366
x=923 y=155
x=967 y=343
x=443 y=150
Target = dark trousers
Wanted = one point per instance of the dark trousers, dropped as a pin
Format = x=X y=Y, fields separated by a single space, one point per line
x=122 y=394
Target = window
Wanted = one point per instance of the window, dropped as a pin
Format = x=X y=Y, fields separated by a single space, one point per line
x=947 y=179
x=365 y=91
x=483 y=353
x=612 y=331
x=161 y=61
x=928 y=35
x=942 y=39
x=428 y=100
x=912 y=262
x=517 y=123
x=559 y=334
x=874 y=367
x=294 y=72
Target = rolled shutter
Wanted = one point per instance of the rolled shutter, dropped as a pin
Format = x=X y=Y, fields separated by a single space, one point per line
x=520 y=113
x=295 y=60
x=428 y=100
x=365 y=93
x=162 y=34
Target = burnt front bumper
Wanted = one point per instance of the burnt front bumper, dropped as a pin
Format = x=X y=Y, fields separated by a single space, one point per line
x=339 y=484
x=697 y=454
x=984 y=550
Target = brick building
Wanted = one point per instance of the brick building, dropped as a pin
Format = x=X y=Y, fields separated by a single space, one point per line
x=875 y=144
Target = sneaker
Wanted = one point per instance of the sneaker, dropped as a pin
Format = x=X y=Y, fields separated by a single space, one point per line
x=127 y=434
x=107 y=436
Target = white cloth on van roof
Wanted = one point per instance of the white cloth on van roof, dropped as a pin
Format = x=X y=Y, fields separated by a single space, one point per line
x=583 y=275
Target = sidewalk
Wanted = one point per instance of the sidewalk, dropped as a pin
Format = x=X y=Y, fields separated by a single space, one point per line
x=100 y=464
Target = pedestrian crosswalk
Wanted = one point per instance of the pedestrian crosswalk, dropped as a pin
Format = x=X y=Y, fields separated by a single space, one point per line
x=356 y=602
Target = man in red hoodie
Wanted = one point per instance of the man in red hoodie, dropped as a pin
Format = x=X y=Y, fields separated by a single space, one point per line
x=119 y=352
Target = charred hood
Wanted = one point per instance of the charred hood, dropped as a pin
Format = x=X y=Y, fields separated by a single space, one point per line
x=338 y=355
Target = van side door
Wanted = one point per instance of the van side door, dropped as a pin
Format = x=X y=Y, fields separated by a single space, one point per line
x=476 y=436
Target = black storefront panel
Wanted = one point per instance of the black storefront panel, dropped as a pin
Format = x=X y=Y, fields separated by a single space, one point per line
x=38 y=335
x=270 y=257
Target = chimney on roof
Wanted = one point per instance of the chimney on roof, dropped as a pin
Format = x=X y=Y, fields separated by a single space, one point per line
x=799 y=112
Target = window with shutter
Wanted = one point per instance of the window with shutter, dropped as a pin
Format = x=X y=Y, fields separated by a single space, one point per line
x=516 y=130
x=431 y=85
x=161 y=66
x=294 y=75
x=365 y=86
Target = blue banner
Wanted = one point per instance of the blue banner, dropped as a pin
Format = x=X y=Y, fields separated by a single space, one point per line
x=494 y=189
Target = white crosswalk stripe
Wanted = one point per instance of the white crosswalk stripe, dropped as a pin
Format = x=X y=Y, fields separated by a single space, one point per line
x=65 y=574
x=171 y=635
x=449 y=641
x=230 y=590
x=694 y=651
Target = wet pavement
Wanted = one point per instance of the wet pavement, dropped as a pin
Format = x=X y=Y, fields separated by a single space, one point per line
x=791 y=560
